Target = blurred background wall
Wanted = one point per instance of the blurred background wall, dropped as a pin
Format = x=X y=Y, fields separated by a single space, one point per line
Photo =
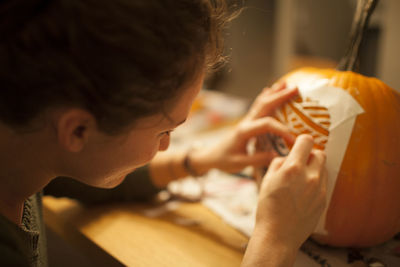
x=272 y=37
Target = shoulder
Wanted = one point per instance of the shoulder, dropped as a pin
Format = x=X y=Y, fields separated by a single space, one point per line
x=12 y=245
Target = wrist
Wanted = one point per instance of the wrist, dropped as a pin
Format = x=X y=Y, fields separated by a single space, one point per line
x=267 y=249
x=196 y=163
x=167 y=167
x=277 y=233
x=274 y=237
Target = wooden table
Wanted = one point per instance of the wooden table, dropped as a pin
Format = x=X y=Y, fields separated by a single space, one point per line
x=130 y=233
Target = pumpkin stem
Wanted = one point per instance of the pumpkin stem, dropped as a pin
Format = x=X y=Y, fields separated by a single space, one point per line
x=361 y=18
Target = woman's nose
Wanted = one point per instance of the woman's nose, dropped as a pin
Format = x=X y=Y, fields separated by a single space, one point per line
x=164 y=143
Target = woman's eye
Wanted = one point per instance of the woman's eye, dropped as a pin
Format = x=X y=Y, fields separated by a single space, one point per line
x=168 y=133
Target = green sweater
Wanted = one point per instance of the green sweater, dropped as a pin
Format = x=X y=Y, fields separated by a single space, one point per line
x=25 y=245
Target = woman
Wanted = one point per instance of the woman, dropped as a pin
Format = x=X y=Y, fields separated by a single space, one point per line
x=92 y=90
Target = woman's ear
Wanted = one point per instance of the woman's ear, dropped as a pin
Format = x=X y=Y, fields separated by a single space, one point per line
x=74 y=127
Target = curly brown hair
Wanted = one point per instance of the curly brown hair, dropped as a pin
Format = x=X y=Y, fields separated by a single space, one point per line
x=120 y=60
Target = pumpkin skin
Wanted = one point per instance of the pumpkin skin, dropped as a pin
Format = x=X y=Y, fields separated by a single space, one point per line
x=365 y=206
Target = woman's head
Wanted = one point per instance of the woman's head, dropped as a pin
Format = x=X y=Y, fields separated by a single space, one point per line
x=120 y=60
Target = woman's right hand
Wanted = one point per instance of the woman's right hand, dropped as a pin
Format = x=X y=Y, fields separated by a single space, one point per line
x=293 y=192
x=292 y=198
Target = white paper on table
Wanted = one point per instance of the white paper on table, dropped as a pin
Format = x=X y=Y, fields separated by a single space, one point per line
x=343 y=110
x=232 y=198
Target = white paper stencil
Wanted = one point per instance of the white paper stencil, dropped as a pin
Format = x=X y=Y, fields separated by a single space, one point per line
x=343 y=110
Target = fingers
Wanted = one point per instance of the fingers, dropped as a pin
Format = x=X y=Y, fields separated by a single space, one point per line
x=275 y=99
x=317 y=164
x=317 y=159
x=266 y=125
x=276 y=163
x=324 y=179
x=301 y=150
x=318 y=171
x=278 y=86
x=275 y=87
x=270 y=99
x=279 y=97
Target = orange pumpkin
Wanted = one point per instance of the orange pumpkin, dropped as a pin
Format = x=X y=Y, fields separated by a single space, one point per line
x=364 y=208
x=365 y=204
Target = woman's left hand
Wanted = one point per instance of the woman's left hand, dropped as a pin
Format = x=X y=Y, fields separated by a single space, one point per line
x=231 y=153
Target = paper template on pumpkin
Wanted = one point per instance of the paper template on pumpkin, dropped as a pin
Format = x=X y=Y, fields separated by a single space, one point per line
x=343 y=110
